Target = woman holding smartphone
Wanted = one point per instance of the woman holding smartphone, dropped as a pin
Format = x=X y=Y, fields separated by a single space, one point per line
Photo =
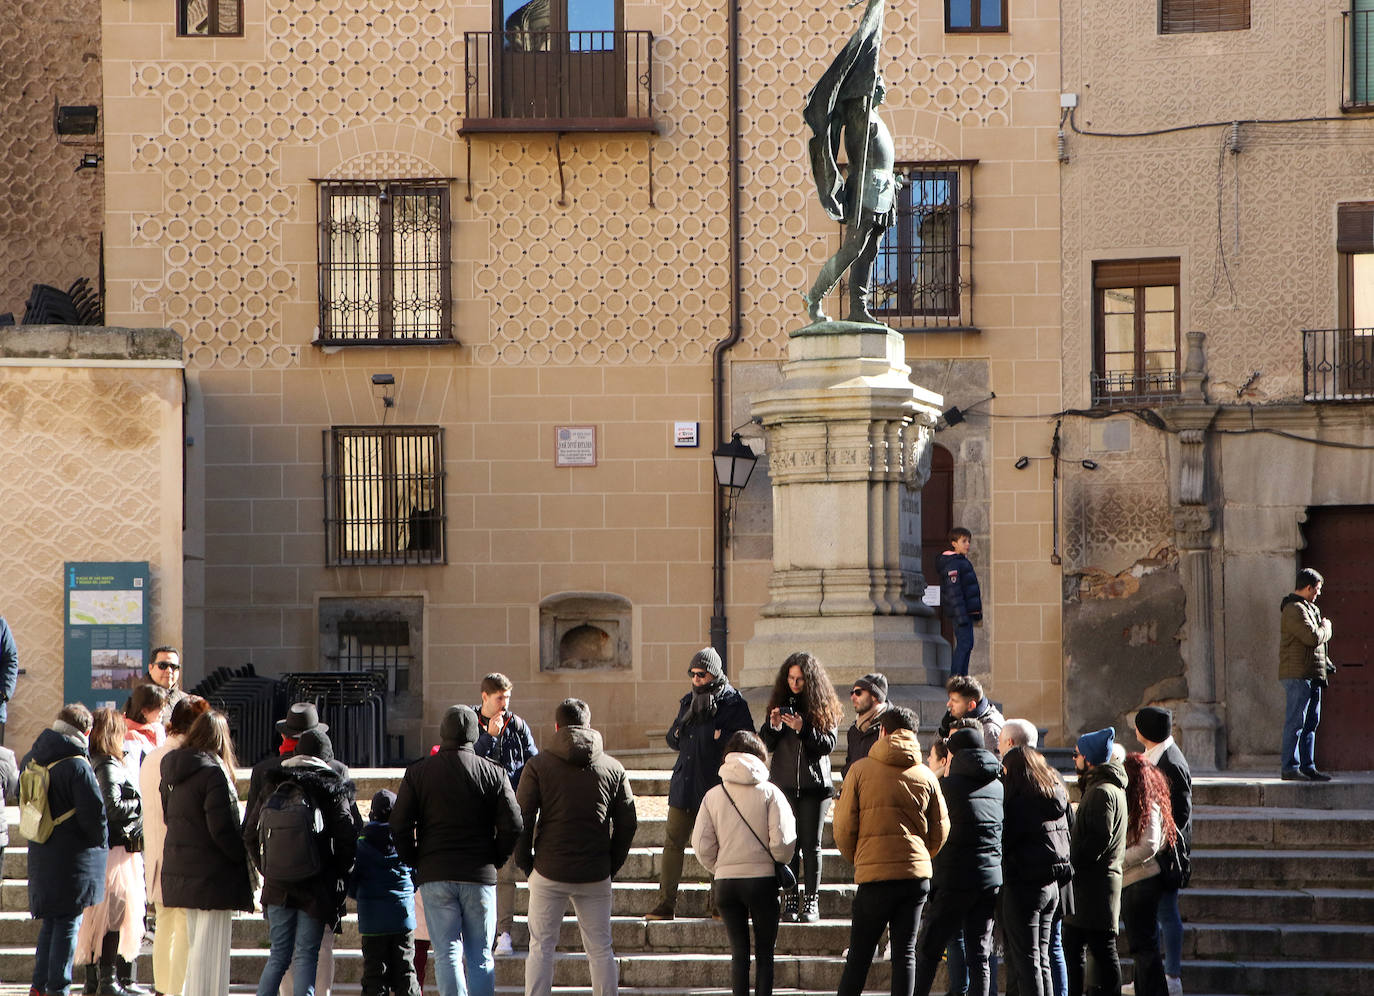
x=800 y=731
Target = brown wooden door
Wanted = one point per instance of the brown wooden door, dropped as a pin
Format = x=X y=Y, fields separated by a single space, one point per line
x=1339 y=539
x=937 y=518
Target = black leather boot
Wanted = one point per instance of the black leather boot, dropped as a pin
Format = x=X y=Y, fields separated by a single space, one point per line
x=125 y=971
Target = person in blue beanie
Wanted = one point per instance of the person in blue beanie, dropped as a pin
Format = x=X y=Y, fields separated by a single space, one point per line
x=1097 y=851
x=381 y=884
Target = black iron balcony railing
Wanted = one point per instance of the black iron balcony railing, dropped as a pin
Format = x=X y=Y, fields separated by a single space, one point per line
x=558 y=81
x=1338 y=364
x=1357 y=57
x=1127 y=386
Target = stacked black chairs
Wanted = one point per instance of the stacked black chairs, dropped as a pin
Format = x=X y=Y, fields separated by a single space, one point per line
x=353 y=704
x=253 y=704
x=79 y=304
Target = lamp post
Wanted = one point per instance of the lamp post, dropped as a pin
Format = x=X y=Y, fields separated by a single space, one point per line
x=734 y=463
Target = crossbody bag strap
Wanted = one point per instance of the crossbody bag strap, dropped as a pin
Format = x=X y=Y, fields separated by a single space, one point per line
x=767 y=850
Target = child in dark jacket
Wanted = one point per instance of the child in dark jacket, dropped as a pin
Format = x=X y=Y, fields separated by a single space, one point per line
x=382 y=885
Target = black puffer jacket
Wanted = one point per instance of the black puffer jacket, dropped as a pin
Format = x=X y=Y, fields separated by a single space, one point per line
x=323 y=896
x=204 y=863
x=578 y=809
x=455 y=818
x=123 y=803
x=800 y=761
x=700 y=743
x=1035 y=838
x=972 y=856
x=67 y=872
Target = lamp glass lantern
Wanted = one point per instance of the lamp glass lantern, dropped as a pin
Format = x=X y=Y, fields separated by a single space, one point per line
x=734 y=464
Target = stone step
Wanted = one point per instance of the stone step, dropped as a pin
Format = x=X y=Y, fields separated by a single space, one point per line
x=1267 y=868
x=1349 y=790
x=1280 y=978
x=1279 y=942
x=1274 y=827
x=1295 y=906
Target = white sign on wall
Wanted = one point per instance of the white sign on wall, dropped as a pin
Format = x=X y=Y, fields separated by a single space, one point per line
x=574 y=445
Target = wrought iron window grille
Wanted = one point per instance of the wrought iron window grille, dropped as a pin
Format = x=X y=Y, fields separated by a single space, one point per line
x=210 y=18
x=384 y=495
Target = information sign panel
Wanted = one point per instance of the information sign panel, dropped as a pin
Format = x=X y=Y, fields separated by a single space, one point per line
x=106 y=625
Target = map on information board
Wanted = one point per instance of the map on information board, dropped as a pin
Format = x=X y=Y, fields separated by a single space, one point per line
x=106 y=608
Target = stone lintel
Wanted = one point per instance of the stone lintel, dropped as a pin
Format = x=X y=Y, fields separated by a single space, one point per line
x=88 y=342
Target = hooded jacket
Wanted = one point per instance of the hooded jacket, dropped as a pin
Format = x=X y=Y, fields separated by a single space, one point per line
x=1097 y=847
x=455 y=817
x=800 y=761
x=67 y=871
x=1035 y=838
x=382 y=884
x=891 y=818
x=699 y=744
x=1303 y=635
x=578 y=810
x=322 y=896
x=723 y=843
x=204 y=864
x=972 y=856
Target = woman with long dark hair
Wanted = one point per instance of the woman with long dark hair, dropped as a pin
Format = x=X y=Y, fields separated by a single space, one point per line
x=800 y=730
x=205 y=865
x=1035 y=863
x=1149 y=829
x=743 y=826
x=112 y=929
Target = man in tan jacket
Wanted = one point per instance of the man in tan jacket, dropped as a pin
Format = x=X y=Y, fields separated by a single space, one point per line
x=890 y=821
x=1304 y=669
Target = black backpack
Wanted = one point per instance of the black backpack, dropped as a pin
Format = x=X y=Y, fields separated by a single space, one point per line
x=289 y=829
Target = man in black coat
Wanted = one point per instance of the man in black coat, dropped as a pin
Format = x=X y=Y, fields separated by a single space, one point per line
x=456 y=822
x=579 y=821
x=707 y=716
x=1154 y=728
x=869 y=699
x=968 y=869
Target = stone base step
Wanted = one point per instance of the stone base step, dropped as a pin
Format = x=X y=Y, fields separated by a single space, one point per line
x=1295 y=906
x=1273 y=978
x=1291 y=868
x=1266 y=826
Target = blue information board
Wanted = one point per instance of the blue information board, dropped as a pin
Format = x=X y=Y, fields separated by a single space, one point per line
x=106 y=616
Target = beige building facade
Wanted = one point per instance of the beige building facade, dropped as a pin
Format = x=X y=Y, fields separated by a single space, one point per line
x=1216 y=182
x=440 y=333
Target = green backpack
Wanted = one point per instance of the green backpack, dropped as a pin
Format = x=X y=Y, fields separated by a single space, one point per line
x=36 y=821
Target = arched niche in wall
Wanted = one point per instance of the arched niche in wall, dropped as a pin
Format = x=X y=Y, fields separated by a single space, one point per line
x=584 y=631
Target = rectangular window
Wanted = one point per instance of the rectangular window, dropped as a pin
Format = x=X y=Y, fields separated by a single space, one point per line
x=210 y=18
x=1358 y=52
x=975 y=15
x=1187 y=16
x=384 y=262
x=921 y=273
x=384 y=495
x=1136 y=329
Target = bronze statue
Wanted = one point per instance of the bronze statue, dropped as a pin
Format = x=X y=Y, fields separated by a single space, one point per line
x=845 y=101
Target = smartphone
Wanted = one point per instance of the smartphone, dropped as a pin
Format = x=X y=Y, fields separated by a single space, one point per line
x=788 y=711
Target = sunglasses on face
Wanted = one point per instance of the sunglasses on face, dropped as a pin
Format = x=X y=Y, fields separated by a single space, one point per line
x=165 y=666
x=699 y=674
x=857 y=691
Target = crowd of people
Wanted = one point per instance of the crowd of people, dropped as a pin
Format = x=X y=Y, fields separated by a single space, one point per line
x=952 y=848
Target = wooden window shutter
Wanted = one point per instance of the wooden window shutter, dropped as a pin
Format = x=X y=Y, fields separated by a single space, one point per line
x=1355 y=227
x=1184 y=16
x=1136 y=273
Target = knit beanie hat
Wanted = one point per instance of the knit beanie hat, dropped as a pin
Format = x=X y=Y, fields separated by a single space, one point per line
x=382 y=803
x=1096 y=747
x=315 y=743
x=459 y=727
x=707 y=659
x=875 y=684
x=1155 y=724
x=965 y=740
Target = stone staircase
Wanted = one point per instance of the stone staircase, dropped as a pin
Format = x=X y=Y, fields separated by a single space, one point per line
x=1282 y=902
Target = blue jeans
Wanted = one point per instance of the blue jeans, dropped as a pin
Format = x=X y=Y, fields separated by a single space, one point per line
x=295 y=937
x=52 y=959
x=1301 y=715
x=963 y=648
x=1171 y=929
x=462 y=926
x=1059 y=968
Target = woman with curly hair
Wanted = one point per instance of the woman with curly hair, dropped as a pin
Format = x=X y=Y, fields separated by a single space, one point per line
x=1149 y=829
x=800 y=730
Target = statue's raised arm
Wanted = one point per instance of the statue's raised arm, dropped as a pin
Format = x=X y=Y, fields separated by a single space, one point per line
x=842 y=108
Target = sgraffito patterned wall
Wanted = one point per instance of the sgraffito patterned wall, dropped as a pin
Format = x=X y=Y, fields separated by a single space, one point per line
x=50 y=215
x=88 y=458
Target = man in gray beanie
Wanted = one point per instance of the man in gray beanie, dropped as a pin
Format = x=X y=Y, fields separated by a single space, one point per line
x=706 y=718
x=869 y=699
x=455 y=822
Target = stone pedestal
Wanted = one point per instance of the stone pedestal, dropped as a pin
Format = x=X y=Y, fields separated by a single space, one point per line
x=848 y=442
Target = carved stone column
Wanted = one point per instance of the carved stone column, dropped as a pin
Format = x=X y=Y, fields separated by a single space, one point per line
x=1201 y=727
x=848 y=436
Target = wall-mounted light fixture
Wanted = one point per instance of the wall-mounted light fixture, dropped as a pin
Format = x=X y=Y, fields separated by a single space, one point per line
x=384 y=387
x=734 y=462
x=1087 y=464
x=89 y=160
x=1022 y=462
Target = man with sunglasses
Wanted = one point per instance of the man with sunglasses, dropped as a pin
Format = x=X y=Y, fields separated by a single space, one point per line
x=164 y=670
x=706 y=718
x=869 y=699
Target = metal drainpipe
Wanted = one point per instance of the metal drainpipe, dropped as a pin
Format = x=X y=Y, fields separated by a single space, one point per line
x=719 y=626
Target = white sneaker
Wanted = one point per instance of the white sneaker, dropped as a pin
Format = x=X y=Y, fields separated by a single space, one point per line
x=503 y=944
x=1175 y=985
